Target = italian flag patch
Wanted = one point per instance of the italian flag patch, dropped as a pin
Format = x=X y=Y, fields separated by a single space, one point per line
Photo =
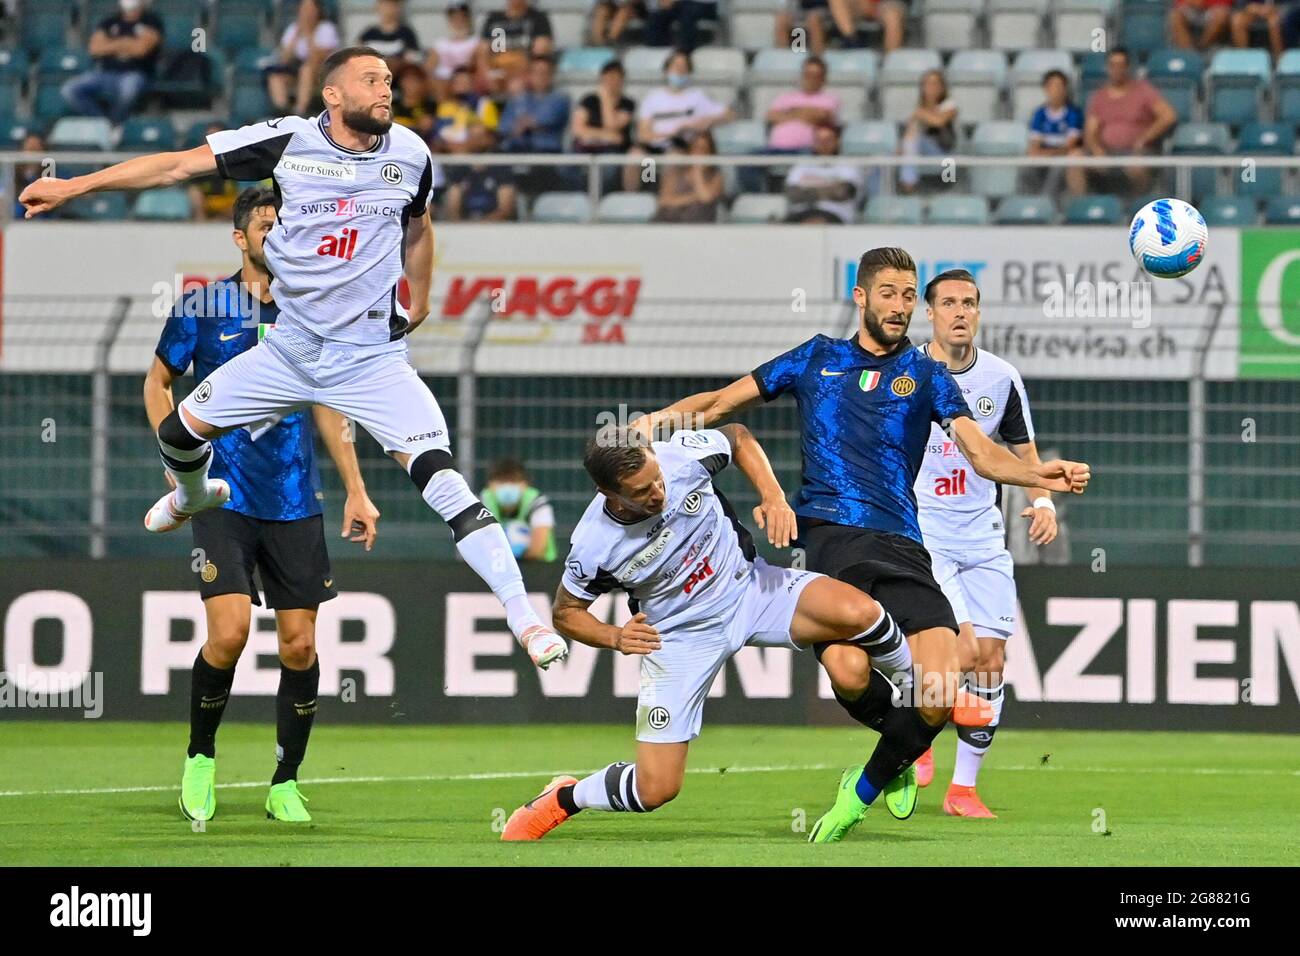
x=868 y=381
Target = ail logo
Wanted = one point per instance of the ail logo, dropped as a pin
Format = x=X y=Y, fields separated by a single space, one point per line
x=703 y=570
x=341 y=246
x=954 y=484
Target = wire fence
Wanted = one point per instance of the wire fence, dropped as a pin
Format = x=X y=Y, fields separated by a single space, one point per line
x=1192 y=466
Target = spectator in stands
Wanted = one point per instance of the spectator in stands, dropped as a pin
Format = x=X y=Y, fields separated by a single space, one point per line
x=303 y=48
x=461 y=111
x=535 y=118
x=27 y=173
x=1056 y=129
x=522 y=510
x=1267 y=12
x=212 y=198
x=414 y=104
x=1291 y=27
x=687 y=14
x=602 y=122
x=1125 y=117
x=609 y=18
x=811 y=17
x=1211 y=17
x=392 y=36
x=890 y=14
x=690 y=193
x=125 y=47
x=674 y=109
x=931 y=129
x=481 y=193
x=825 y=194
x=458 y=48
x=509 y=38
x=795 y=116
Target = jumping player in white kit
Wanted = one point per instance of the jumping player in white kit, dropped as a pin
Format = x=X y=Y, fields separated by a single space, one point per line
x=353 y=219
x=662 y=532
x=961 y=520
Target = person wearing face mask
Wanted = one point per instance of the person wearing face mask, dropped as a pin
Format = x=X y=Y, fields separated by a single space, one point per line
x=676 y=109
x=524 y=512
x=125 y=47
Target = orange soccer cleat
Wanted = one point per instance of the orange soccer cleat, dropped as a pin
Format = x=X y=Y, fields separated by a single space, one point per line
x=925 y=768
x=965 y=802
x=971 y=710
x=540 y=815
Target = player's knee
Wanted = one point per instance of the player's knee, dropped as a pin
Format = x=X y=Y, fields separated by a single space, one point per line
x=225 y=644
x=849 y=669
x=298 y=648
x=864 y=613
x=427 y=464
x=172 y=431
x=655 y=792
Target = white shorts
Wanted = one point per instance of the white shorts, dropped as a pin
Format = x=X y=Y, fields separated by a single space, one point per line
x=676 y=678
x=980 y=587
x=374 y=385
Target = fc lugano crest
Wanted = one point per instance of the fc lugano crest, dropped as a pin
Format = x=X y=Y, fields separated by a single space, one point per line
x=692 y=503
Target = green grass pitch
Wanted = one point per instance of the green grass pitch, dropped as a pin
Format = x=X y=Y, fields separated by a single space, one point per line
x=432 y=795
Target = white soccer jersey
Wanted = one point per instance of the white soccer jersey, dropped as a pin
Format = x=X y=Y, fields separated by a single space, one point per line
x=337 y=249
x=958 y=508
x=681 y=565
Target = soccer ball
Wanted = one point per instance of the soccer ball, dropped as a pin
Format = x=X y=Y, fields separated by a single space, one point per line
x=1168 y=238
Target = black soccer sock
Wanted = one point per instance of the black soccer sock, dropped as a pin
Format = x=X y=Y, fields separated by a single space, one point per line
x=565 y=797
x=904 y=736
x=295 y=709
x=209 y=691
x=876 y=701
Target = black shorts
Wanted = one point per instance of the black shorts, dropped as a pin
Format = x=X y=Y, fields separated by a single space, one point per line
x=290 y=557
x=893 y=569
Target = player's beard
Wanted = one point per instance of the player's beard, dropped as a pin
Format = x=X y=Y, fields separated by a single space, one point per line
x=876 y=328
x=363 y=121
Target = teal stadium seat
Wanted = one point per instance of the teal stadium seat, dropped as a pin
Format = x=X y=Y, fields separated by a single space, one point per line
x=1094 y=210
x=1025 y=211
x=1263 y=139
x=1236 y=79
x=147 y=135
x=170 y=204
x=562 y=207
x=958 y=211
x=1202 y=139
x=1282 y=211
x=1229 y=211
x=894 y=210
x=1286 y=83
x=752 y=208
x=1177 y=75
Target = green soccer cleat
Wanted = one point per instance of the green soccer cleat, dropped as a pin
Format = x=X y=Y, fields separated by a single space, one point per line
x=285 y=802
x=901 y=792
x=198 y=800
x=847 y=812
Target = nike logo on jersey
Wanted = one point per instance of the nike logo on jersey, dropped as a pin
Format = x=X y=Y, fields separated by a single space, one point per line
x=827 y=373
x=227 y=338
x=329 y=582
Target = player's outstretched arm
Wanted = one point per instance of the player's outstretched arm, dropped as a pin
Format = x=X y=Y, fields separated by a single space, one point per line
x=360 y=516
x=571 y=617
x=772 y=514
x=1042 y=513
x=990 y=460
x=141 y=172
x=419 y=267
x=701 y=410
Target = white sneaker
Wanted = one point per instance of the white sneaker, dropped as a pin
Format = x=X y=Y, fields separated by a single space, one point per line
x=543 y=645
x=166 y=514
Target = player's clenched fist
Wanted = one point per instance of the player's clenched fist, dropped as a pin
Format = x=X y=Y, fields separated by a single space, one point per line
x=1064 y=476
x=45 y=194
x=637 y=637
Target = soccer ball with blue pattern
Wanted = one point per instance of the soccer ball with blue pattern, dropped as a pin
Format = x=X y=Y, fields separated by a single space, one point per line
x=1168 y=238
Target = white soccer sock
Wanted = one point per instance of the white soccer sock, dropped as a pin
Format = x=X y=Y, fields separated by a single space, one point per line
x=974 y=742
x=887 y=647
x=191 y=482
x=486 y=549
x=613 y=788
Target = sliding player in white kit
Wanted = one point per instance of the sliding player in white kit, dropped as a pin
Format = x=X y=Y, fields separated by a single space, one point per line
x=961 y=521
x=353 y=218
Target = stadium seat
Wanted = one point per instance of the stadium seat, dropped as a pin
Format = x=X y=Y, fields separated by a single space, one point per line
x=13 y=132
x=869 y=138
x=997 y=138
x=1201 y=139
x=147 y=135
x=1228 y=211
x=1016 y=24
x=1286 y=81
x=758 y=208
x=61 y=63
x=626 y=208
x=740 y=138
x=180 y=18
x=900 y=79
x=1092 y=66
x=1094 y=210
x=975 y=82
x=249 y=104
x=98 y=206
x=11 y=95
x=958 y=210
x=950 y=24
x=82 y=132
x=1025 y=210
x=1236 y=78
x=49 y=104
x=645 y=64
x=44 y=30
x=1263 y=139
x=562 y=207
x=162 y=205
x=1177 y=74
x=713 y=64
x=1282 y=211
x=196 y=134
x=779 y=67
x=237 y=28
x=753 y=23
x=583 y=64
x=1075 y=23
x=850 y=75
x=14 y=64
x=1145 y=28
x=894 y=211
x=1026 y=76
